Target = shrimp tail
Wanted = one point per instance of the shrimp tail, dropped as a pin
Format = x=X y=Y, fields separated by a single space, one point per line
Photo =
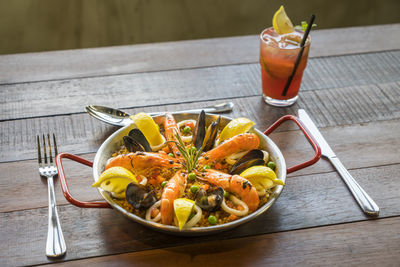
x=140 y=162
x=234 y=184
x=241 y=142
x=171 y=130
x=172 y=190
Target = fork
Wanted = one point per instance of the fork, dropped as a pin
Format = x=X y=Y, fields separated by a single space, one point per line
x=55 y=245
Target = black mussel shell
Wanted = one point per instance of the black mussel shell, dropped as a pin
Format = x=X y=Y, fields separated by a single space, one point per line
x=251 y=158
x=211 y=135
x=252 y=154
x=138 y=197
x=139 y=137
x=199 y=130
x=131 y=144
x=245 y=165
x=211 y=199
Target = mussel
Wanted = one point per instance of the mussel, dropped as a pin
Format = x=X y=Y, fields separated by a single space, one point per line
x=203 y=138
x=136 y=141
x=138 y=197
x=252 y=158
x=211 y=135
x=211 y=199
x=199 y=130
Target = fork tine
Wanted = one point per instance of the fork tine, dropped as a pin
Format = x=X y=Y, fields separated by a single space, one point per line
x=38 y=150
x=49 y=144
x=44 y=149
x=55 y=145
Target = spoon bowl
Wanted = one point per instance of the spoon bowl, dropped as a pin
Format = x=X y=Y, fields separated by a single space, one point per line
x=120 y=118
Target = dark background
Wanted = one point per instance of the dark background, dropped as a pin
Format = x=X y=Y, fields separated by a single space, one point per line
x=41 y=25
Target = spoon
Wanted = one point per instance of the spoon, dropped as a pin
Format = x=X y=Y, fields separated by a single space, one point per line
x=120 y=118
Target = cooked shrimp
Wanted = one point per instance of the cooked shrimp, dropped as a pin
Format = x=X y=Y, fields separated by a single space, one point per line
x=246 y=141
x=234 y=184
x=142 y=162
x=171 y=129
x=172 y=190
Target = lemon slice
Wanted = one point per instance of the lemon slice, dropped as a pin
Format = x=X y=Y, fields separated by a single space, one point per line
x=235 y=127
x=183 y=207
x=149 y=128
x=261 y=177
x=115 y=180
x=281 y=22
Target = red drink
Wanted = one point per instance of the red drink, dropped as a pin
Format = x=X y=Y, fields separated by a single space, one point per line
x=278 y=54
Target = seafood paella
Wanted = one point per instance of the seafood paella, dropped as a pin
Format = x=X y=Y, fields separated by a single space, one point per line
x=188 y=173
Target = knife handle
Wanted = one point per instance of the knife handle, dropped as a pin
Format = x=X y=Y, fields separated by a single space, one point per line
x=364 y=200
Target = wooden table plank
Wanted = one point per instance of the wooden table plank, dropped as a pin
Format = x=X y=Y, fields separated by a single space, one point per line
x=307 y=201
x=358 y=146
x=356 y=244
x=184 y=54
x=80 y=133
x=212 y=83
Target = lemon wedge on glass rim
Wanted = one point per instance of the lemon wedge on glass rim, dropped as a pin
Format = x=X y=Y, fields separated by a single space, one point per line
x=262 y=177
x=235 y=127
x=183 y=207
x=115 y=180
x=149 y=128
x=281 y=22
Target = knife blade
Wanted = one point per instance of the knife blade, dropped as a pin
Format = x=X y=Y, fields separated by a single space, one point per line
x=363 y=199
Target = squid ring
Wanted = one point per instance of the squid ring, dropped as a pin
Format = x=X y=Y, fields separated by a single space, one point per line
x=148 y=212
x=236 y=212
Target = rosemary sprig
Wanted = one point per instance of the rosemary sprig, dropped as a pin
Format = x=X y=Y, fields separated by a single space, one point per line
x=191 y=154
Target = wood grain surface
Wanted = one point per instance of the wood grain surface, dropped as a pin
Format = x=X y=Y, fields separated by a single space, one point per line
x=184 y=54
x=307 y=201
x=351 y=92
x=211 y=83
x=328 y=108
x=356 y=244
x=372 y=140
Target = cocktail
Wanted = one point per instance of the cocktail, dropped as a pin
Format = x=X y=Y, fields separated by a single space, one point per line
x=280 y=48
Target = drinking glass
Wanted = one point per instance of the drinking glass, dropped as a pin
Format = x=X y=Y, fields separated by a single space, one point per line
x=278 y=54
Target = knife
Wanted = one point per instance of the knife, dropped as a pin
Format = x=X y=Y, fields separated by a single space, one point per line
x=364 y=200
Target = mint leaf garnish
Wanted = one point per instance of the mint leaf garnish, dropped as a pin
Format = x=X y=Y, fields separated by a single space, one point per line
x=304 y=26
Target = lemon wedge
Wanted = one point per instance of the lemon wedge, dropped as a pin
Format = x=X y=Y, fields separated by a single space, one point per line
x=149 y=128
x=281 y=22
x=261 y=177
x=235 y=127
x=115 y=180
x=183 y=207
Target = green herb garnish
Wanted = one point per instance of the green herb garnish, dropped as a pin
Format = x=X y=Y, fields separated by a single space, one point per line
x=304 y=26
x=191 y=154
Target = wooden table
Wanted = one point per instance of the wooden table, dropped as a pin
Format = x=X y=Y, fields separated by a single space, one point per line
x=350 y=88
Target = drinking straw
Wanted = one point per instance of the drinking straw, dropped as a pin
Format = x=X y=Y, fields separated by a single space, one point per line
x=303 y=41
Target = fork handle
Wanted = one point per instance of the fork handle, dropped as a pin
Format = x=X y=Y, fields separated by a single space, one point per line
x=55 y=245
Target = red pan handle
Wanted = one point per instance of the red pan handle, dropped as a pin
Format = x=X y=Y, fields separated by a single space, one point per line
x=307 y=134
x=64 y=185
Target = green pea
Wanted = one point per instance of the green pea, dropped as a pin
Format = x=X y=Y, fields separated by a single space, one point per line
x=187 y=130
x=206 y=167
x=192 y=177
x=226 y=194
x=171 y=154
x=163 y=183
x=271 y=165
x=194 y=189
x=212 y=219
